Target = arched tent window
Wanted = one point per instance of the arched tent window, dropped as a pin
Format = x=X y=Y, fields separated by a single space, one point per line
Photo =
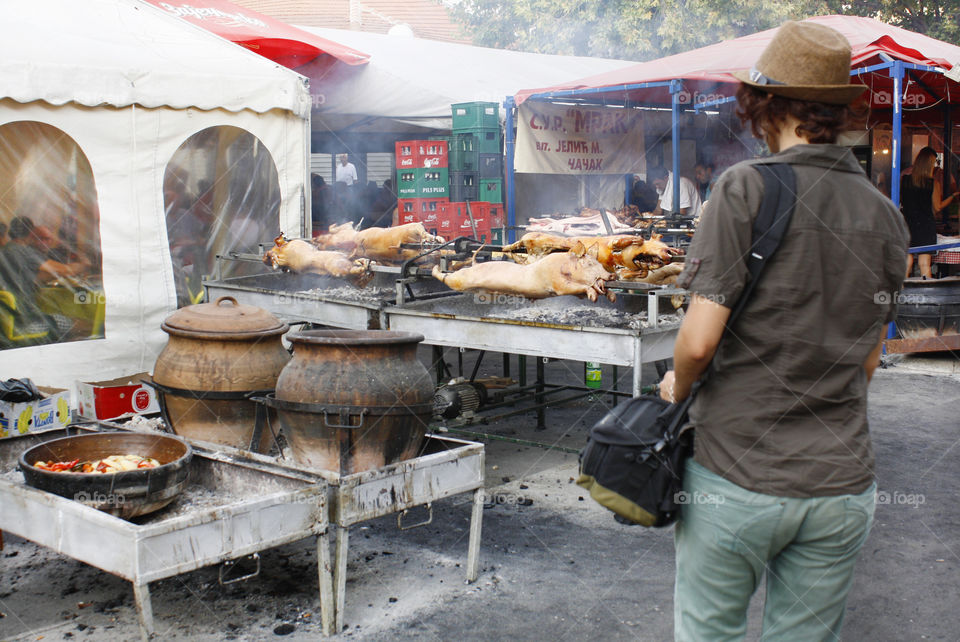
x=51 y=278
x=221 y=193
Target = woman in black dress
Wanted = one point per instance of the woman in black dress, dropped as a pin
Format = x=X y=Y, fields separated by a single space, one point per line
x=920 y=201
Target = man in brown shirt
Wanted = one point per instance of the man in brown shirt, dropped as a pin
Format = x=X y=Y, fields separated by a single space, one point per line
x=782 y=475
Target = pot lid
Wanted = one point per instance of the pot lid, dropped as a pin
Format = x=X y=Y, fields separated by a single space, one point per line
x=225 y=318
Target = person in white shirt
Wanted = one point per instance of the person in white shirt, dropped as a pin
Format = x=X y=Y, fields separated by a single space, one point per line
x=346 y=172
x=662 y=180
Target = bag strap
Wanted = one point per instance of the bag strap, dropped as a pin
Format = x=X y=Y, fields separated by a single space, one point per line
x=769 y=227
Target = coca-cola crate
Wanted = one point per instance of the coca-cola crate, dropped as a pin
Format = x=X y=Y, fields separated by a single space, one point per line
x=498 y=217
x=435 y=154
x=448 y=219
x=430 y=209
x=406 y=154
x=491 y=190
x=475 y=114
x=480 y=220
x=408 y=210
x=490 y=165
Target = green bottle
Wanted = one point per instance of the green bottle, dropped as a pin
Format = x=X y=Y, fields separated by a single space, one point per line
x=592 y=375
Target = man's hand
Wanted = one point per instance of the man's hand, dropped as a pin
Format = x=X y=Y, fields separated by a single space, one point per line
x=666 y=386
x=697 y=340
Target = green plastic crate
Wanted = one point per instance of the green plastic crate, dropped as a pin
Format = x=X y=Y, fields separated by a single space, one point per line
x=484 y=141
x=475 y=114
x=407 y=183
x=433 y=182
x=491 y=190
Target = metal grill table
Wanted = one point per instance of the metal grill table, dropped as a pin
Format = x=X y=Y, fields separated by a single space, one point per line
x=255 y=506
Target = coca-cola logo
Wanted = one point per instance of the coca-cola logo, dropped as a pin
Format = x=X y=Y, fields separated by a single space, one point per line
x=141 y=400
x=204 y=13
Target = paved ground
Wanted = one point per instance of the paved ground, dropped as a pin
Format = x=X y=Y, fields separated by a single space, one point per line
x=557 y=568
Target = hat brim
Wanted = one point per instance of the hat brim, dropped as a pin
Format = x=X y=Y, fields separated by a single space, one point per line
x=832 y=94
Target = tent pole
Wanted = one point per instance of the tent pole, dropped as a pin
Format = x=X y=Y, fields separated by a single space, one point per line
x=510 y=144
x=896 y=73
x=947 y=150
x=676 y=87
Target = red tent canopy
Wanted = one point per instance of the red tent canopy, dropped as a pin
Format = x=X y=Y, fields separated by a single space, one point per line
x=706 y=71
x=280 y=42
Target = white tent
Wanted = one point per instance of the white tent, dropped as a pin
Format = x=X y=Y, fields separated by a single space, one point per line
x=96 y=100
x=411 y=82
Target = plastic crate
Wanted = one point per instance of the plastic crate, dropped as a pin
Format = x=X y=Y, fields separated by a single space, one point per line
x=448 y=218
x=408 y=210
x=433 y=182
x=475 y=114
x=407 y=183
x=406 y=154
x=491 y=190
x=485 y=141
x=490 y=165
x=498 y=235
x=498 y=217
x=481 y=221
x=464 y=186
x=430 y=209
x=435 y=154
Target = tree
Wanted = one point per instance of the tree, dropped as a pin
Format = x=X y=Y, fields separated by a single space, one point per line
x=649 y=29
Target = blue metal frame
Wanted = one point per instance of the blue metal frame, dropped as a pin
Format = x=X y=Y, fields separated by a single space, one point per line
x=896 y=73
x=510 y=143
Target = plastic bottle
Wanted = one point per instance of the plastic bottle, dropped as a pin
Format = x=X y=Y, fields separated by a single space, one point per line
x=592 y=375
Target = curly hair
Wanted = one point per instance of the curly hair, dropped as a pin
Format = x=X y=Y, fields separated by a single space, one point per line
x=819 y=122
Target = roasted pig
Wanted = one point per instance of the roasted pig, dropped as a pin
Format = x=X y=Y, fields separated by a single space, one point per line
x=552 y=275
x=300 y=256
x=613 y=252
x=377 y=243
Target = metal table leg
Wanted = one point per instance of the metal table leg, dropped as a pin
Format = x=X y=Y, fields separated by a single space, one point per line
x=637 y=366
x=327 y=596
x=538 y=397
x=141 y=597
x=340 y=576
x=476 y=523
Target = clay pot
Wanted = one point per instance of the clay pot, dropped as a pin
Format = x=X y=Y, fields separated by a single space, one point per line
x=218 y=353
x=354 y=400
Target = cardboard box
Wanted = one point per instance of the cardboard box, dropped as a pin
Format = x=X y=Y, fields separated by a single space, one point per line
x=19 y=418
x=121 y=397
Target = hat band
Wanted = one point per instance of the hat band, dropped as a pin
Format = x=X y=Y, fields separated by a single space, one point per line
x=760 y=79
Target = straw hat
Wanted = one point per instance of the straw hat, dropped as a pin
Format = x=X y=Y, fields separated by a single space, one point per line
x=805 y=61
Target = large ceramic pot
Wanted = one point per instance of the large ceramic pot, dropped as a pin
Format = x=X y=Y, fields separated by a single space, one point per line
x=217 y=354
x=354 y=400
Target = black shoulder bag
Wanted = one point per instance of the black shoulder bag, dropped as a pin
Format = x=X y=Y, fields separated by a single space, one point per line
x=634 y=458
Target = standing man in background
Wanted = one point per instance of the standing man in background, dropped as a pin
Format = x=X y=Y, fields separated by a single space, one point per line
x=662 y=180
x=346 y=172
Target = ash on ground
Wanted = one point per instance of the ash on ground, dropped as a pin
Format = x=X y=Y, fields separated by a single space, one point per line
x=141 y=423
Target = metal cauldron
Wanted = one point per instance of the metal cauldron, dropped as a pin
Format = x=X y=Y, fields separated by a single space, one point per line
x=929 y=308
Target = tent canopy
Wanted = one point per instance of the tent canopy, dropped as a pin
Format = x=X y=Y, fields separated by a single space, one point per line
x=262 y=34
x=412 y=81
x=706 y=72
x=130 y=53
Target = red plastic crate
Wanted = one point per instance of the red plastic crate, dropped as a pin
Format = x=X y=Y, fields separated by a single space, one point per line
x=418 y=154
x=406 y=153
x=480 y=218
x=408 y=210
x=448 y=219
x=498 y=217
x=430 y=209
x=434 y=154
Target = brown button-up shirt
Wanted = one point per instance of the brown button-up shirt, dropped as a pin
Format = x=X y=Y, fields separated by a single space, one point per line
x=785 y=410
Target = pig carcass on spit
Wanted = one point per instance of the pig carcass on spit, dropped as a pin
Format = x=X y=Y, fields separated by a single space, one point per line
x=300 y=256
x=552 y=275
x=613 y=252
x=377 y=243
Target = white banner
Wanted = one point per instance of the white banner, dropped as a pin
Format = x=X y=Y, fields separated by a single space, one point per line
x=566 y=139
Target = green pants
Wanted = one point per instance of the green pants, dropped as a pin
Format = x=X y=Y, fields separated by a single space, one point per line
x=727 y=537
